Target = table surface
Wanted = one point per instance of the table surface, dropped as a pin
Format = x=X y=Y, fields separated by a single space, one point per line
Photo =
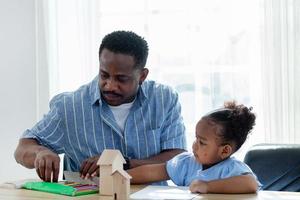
x=22 y=194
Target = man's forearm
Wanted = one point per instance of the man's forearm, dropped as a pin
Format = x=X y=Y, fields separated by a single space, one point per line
x=148 y=173
x=26 y=152
x=159 y=158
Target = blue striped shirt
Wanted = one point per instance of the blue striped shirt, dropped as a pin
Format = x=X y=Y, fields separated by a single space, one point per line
x=81 y=125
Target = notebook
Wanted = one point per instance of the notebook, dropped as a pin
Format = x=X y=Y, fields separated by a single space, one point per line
x=63 y=187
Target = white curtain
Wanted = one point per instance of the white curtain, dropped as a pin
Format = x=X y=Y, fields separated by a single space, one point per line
x=281 y=71
x=72 y=42
x=209 y=51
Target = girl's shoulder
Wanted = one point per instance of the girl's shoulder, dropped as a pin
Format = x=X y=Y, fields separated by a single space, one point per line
x=180 y=167
x=183 y=156
x=233 y=162
x=184 y=161
x=233 y=166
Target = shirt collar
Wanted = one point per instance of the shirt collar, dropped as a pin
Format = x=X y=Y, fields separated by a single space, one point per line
x=96 y=96
x=95 y=91
x=142 y=90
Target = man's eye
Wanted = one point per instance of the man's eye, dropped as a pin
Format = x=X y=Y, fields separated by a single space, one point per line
x=104 y=76
x=123 y=79
x=201 y=142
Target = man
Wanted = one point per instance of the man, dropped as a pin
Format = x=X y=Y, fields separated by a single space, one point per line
x=117 y=110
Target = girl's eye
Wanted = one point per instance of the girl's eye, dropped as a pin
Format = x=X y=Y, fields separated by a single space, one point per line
x=200 y=141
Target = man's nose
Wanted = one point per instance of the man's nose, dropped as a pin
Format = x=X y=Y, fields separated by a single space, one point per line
x=111 y=84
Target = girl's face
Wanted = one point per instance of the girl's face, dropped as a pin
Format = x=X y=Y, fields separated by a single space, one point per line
x=207 y=147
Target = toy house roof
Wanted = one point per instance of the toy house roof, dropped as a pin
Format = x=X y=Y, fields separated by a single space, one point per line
x=110 y=156
x=122 y=173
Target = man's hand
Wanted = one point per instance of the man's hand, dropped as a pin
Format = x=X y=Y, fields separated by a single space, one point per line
x=89 y=167
x=198 y=186
x=46 y=164
x=33 y=155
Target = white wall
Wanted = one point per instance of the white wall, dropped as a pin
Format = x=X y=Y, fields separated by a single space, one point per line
x=23 y=96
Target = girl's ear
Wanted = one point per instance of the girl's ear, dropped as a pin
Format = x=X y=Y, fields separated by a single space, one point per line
x=225 y=151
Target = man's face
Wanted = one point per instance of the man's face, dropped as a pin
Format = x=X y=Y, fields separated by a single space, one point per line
x=118 y=78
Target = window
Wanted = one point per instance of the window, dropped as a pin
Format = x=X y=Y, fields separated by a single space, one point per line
x=209 y=51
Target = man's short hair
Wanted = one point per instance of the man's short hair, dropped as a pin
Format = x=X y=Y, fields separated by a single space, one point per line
x=126 y=42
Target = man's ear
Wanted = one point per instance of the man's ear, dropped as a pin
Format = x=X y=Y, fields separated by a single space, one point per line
x=143 y=75
x=226 y=151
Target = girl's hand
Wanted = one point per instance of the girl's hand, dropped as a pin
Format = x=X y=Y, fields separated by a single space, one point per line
x=198 y=186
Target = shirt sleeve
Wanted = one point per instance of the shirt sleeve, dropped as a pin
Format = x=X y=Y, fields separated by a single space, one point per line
x=49 y=131
x=177 y=168
x=173 y=129
x=237 y=168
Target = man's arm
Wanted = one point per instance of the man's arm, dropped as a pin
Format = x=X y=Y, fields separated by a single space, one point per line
x=26 y=152
x=89 y=167
x=32 y=155
x=233 y=185
x=148 y=173
x=162 y=157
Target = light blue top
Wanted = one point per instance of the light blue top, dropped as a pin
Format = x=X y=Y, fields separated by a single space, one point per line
x=81 y=125
x=183 y=169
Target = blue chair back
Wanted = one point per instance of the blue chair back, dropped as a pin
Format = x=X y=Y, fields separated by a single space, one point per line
x=277 y=166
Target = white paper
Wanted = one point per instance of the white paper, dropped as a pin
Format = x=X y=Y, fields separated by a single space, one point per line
x=163 y=193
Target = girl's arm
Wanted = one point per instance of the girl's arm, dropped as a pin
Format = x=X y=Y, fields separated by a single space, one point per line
x=148 y=173
x=233 y=185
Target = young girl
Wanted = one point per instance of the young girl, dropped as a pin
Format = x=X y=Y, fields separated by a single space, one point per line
x=210 y=168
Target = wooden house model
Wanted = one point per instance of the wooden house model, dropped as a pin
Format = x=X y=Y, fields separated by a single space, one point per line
x=114 y=181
